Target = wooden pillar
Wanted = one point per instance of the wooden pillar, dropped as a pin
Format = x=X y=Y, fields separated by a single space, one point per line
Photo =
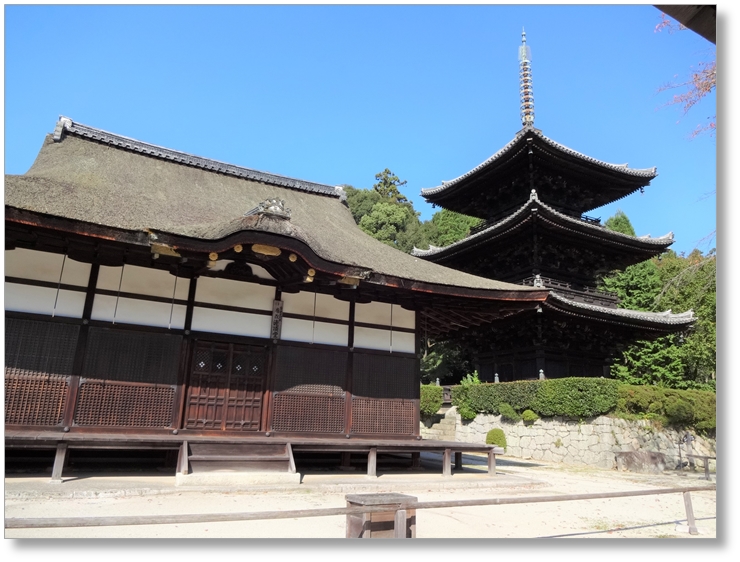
x=372 y=461
x=458 y=460
x=415 y=461
x=59 y=459
x=182 y=459
x=491 y=463
x=447 y=463
x=346 y=461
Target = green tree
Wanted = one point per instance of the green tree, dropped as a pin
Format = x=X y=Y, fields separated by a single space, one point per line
x=620 y=223
x=451 y=227
x=387 y=187
x=384 y=222
x=361 y=201
x=676 y=283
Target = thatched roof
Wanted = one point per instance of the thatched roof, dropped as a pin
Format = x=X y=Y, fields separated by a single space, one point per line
x=88 y=175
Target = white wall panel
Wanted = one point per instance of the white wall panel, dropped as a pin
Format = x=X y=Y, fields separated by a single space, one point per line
x=234 y=293
x=154 y=282
x=326 y=305
x=44 y=266
x=370 y=338
x=140 y=312
x=321 y=332
x=108 y=278
x=228 y=322
x=404 y=342
x=40 y=300
x=403 y=318
x=380 y=313
x=373 y=313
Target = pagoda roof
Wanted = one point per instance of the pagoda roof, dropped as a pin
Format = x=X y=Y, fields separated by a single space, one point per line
x=641 y=244
x=661 y=321
x=620 y=179
x=116 y=188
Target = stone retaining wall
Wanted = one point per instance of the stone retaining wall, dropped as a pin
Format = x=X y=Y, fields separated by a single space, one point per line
x=593 y=441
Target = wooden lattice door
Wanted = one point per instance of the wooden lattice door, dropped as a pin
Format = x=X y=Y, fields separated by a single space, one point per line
x=226 y=387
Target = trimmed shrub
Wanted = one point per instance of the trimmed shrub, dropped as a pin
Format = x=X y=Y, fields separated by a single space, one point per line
x=487 y=397
x=576 y=397
x=430 y=399
x=466 y=412
x=529 y=416
x=672 y=406
x=496 y=437
x=508 y=413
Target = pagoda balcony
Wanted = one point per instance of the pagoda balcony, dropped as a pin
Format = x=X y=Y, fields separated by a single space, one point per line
x=573 y=291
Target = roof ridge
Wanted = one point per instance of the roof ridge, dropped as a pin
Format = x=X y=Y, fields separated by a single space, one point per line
x=128 y=143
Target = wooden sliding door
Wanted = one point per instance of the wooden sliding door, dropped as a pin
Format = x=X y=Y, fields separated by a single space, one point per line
x=226 y=388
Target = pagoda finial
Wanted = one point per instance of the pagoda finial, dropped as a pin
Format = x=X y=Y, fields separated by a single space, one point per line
x=526 y=95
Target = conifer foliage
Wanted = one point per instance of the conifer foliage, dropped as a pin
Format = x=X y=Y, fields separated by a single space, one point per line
x=677 y=283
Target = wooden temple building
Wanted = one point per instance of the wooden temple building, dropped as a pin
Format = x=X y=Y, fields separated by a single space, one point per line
x=532 y=196
x=155 y=299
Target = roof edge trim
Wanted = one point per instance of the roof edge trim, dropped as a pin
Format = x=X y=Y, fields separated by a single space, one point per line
x=65 y=124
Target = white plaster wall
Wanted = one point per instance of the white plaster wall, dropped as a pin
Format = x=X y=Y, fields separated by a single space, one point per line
x=153 y=282
x=370 y=338
x=373 y=313
x=234 y=293
x=40 y=300
x=44 y=266
x=403 y=318
x=228 y=322
x=309 y=332
x=326 y=305
x=404 y=342
x=135 y=311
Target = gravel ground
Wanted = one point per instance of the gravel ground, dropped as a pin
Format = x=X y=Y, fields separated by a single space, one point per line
x=660 y=516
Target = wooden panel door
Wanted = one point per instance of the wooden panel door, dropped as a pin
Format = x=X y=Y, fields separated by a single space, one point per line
x=226 y=386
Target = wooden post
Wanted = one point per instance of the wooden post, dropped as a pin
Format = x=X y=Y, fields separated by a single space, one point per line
x=182 y=458
x=458 y=460
x=415 y=461
x=399 y=524
x=491 y=462
x=690 y=514
x=372 y=460
x=346 y=461
x=447 y=463
x=291 y=459
x=59 y=460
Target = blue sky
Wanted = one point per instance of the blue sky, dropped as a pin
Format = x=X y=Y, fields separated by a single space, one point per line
x=335 y=94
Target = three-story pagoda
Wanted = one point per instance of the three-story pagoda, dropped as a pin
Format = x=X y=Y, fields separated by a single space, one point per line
x=533 y=196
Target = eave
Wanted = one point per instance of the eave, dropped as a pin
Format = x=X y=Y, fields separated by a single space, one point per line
x=515 y=158
x=536 y=210
x=665 y=322
x=186 y=256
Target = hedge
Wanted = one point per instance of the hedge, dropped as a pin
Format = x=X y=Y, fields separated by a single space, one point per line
x=588 y=397
x=430 y=400
x=573 y=397
x=697 y=408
